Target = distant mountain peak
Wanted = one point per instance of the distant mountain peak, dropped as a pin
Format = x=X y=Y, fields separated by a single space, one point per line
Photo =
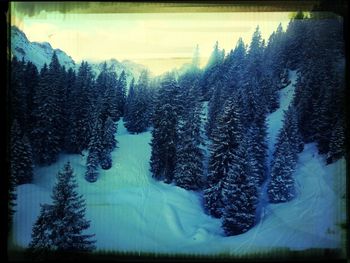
x=41 y=53
x=38 y=53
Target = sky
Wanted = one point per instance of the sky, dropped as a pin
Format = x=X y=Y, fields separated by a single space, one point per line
x=160 y=41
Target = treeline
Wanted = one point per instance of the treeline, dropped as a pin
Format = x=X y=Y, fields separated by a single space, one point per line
x=58 y=110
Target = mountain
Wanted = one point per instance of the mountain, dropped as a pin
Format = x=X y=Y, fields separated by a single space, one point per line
x=41 y=53
x=131 y=69
x=37 y=53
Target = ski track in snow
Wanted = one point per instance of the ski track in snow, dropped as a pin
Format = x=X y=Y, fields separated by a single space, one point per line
x=130 y=211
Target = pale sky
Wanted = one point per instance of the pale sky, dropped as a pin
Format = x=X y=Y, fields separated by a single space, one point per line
x=160 y=41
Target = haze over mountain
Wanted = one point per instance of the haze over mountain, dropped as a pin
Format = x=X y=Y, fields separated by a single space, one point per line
x=41 y=53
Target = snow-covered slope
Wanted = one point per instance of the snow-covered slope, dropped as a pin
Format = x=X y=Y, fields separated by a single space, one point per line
x=130 y=211
x=37 y=53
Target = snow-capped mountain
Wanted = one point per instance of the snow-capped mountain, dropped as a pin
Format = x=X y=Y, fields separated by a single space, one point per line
x=41 y=53
x=131 y=69
x=37 y=53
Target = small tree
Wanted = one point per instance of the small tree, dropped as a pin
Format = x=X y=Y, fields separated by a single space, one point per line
x=60 y=226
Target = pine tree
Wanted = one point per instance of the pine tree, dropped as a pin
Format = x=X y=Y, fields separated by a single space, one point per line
x=121 y=93
x=60 y=226
x=281 y=186
x=95 y=149
x=42 y=244
x=214 y=109
x=233 y=71
x=31 y=80
x=139 y=106
x=257 y=148
x=240 y=193
x=18 y=92
x=188 y=172
x=225 y=142
x=12 y=196
x=337 y=143
x=212 y=72
x=21 y=161
x=82 y=101
x=129 y=101
x=107 y=86
x=164 y=135
x=47 y=135
x=108 y=143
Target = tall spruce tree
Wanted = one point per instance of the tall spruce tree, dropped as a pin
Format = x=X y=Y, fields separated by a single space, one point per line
x=225 y=142
x=281 y=185
x=139 y=106
x=82 y=102
x=47 y=130
x=108 y=143
x=188 y=172
x=95 y=149
x=164 y=135
x=240 y=192
x=129 y=101
x=337 y=143
x=60 y=226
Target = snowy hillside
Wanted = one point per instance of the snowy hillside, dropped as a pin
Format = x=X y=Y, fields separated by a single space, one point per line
x=37 y=53
x=130 y=211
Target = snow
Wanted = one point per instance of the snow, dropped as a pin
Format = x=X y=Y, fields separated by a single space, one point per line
x=130 y=211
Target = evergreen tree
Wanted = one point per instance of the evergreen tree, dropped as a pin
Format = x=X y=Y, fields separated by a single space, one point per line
x=188 y=172
x=60 y=226
x=95 y=149
x=31 y=80
x=164 y=135
x=240 y=193
x=214 y=109
x=337 y=143
x=47 y=135
x=139 y=106
x=234 y=70
x=12 y=196
x=107 y=86
x=225 y=142
x=257 y=148
x=42 y=244
x=82 y=102
x=129 y=101
x=281 y=185
x=121 y=93
x=108 y=143
x=18 y=92
x=212 y=72
x=21 y=161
